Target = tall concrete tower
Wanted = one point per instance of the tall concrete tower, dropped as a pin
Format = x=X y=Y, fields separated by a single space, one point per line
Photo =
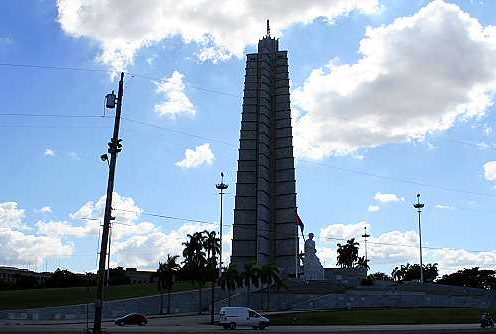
x=264 y=228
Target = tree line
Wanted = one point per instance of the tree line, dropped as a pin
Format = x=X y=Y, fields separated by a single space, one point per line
x=200 y=265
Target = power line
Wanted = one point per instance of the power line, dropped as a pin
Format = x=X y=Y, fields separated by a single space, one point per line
x=400 y=180
x=137 y=75
x=413 y=246
x=183 y=133
x=52 y=115
x=166 y=216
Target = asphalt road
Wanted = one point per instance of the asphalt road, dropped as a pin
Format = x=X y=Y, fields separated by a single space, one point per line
x=198 y=324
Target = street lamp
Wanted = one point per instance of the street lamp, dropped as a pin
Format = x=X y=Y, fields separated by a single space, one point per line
x=419 y=207
x=221 y=186
x=365 y=236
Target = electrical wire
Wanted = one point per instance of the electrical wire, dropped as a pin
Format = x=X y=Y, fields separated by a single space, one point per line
x=166 y=216
x=137 y=75
x=400 y=180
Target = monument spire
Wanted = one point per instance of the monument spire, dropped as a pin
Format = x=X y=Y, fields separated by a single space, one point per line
x=264 y=229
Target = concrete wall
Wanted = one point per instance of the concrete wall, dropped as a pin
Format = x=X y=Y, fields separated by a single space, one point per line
x=181 y=302
x=361 y=297
x=345 y=276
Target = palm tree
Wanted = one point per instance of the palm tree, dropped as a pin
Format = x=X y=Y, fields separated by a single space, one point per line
x=347 y=253
x=250 y=276
x=229 y=279
x=362 y=263
x=269 y=273
x=212 y=245
x=166 y=273
x=195 y=262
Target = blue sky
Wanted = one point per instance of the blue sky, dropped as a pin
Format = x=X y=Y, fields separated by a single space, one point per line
x=389 y=98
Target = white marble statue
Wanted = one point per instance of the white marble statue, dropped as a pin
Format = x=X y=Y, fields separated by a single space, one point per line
x=312 y=267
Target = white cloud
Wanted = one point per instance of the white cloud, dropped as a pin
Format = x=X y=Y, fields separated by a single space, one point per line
x=196 y=157
x=213 y=54
x=387 y=198
x=54 y=228
x=394 y=248
x=176 y=102
x=11 y=216
x=490 y=171
x=451 y=260
x=145 y=251
x=444 y=207
x=222 y=29
x=74 y=156
x=373 y=208
x=49 y=152
x=416 y=76
x=17 y=247
x=126 y=214
x=343 y=231
x=46 y=209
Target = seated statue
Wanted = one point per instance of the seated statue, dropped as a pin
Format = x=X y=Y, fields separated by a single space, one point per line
x=312 y=267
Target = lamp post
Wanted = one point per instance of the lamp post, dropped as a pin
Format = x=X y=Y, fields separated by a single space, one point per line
x=419 y=207
x=221 y=186
x=365 y=236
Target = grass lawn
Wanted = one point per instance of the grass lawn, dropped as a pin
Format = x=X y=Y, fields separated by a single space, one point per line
x=379 y=317
x=17 y=299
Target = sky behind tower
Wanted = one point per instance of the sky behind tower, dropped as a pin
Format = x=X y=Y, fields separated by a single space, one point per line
x=389 y=99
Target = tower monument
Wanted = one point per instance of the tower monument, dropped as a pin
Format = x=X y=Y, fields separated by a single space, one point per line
x=264 y=229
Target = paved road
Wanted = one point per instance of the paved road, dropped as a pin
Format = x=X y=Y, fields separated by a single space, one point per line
x=198 y=324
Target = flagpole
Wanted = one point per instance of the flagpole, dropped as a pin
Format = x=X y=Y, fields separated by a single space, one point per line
x=296 y=253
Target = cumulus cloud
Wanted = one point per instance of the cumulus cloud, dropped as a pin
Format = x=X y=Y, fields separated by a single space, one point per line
x=342 y=231
x=221 y=30
x=176 y=101
x=387 y=198
x=11 y=216
x=49 y=152
x=394 y=248
x=196 y=157
x=17 y=247
x=126 y=214
x=46 y=209
x=490 y=171
x=373 y=208
x=147 y=250
x=416 y=76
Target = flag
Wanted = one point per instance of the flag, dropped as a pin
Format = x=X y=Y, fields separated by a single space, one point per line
x=299 y=222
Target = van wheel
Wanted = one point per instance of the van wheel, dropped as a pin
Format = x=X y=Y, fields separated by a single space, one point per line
x=232 y=325
x=262 y=325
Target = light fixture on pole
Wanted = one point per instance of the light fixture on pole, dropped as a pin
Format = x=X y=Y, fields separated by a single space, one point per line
x=221 y=186
x=419 y=207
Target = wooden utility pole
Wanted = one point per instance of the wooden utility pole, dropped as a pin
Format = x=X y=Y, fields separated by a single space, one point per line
x=114 y=148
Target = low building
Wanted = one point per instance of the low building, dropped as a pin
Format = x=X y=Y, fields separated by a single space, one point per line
x=11 y=275
x=140 y=277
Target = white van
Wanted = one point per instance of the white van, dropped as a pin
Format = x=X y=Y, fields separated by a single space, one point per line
x=230 y=317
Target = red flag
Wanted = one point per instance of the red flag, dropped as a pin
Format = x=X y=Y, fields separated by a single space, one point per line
x=299 y=222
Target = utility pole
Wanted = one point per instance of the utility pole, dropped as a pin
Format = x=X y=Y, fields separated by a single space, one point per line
x=107 y=279
x=114 y=148
x=419 y=207
x=221 y=186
